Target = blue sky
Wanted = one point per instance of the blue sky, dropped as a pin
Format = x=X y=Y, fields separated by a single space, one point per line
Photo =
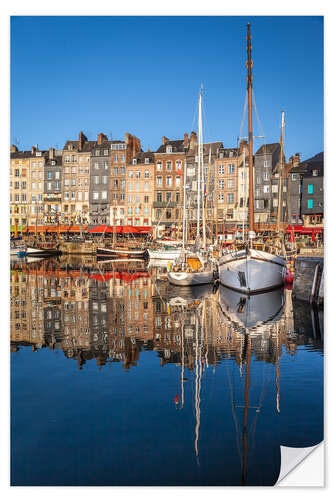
x=142 y=75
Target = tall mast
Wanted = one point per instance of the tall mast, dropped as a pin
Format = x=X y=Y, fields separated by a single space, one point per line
x=200 y=166
x=184 y=203
x=249 y=64
x=280 y=175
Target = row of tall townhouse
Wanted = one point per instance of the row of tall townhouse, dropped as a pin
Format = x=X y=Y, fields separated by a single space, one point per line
x=115 y=182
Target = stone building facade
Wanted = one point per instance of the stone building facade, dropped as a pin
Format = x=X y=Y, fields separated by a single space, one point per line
x=140 y=190
x=122 y=154
x=169 y=164
x=99 y=193
x=76 y=180
x=52 y=187
x=226 y=182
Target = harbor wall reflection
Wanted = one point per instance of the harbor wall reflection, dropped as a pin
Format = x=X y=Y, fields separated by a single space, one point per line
x=111 y=312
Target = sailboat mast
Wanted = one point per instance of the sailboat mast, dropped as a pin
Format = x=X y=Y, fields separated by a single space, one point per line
x=199 y=161
x=184 y=203
x=280 y=175
x=249 y=65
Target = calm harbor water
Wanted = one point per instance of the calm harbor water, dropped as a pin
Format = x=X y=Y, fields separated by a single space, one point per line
x=118 y=378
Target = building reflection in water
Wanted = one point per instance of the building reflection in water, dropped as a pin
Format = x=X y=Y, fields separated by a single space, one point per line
x=112 y=312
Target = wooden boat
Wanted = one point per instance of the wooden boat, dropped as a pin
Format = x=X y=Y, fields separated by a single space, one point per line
x=164 y=253
x=121 y=251
x=45 y=249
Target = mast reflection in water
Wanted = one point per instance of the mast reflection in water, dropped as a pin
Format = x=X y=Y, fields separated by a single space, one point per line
x=119 y=378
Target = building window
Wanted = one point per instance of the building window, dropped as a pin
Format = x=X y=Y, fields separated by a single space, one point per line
x=177 y=181
x=96 y=179
x=159 y=196
x=168 y=214
x=230 y=183
x=221 y=184
x=146 y=174
x=168 y=196
x=310 y=204
x=310 y=189
x=134 y=161
x=221 y=169
x=146 y=199
x=159 y=181
x=266 y=163
x=230 y=198
x=169 y=166
x=146 y=186
x=169 y=181
x=95 y=195
x=231 y=168
x=221 y=198
x=265 y=176
x=315 y=173
x=266 y=189
x=104 y=195
x=293 y=177
x=106 y=152
x=115 y=171
x=159 y=166
x=138 y=174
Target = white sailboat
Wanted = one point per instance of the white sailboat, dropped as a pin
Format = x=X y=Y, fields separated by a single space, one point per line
x=195 y=267
x=249 y=270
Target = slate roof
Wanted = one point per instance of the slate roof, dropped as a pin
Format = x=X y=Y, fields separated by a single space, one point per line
x=87 y=146
x=305 y=167
x=268 y=148
x=177 y=146
x=140 y=157
x=27 y=154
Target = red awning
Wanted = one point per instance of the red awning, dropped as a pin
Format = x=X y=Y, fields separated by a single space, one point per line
x=120 y=229
x=304 y=230
x=54 y=229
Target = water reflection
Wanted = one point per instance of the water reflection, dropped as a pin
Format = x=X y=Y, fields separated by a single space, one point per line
x=114 y=312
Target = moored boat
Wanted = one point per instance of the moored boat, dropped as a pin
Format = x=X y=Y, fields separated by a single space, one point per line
x=251 y=271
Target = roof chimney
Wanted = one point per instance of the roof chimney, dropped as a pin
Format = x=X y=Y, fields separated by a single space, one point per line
x=51 y=153
x=33 y=150
x=193 y=140
x=164 y=140
x=185 y=140
x=101 y=138
x=82 y=140
x=13 y=148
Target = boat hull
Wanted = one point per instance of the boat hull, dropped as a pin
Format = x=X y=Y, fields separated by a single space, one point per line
x=252 y=272
x=46 y=252
x=191 y=279
x=164 y=254
x=125 y=252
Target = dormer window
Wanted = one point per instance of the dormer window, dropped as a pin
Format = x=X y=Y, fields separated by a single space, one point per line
x=169 y=149
x=134 y=161
x=222 y=155
x=70 y=147
x=231 y=154
x=315 y=173
x=97 y=152
x=38 y=153
x=53 y=162
x=146 y=160
x=106 y=152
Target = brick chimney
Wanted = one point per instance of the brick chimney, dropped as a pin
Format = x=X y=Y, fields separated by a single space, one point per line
x=164 y=140
x=185 y=140
x=296 y=159
x=33 y=150
x=13 y=148
x=101 y=138
x=193 y=140
x=243 y=145
x=82 y=140
x=51 y=153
